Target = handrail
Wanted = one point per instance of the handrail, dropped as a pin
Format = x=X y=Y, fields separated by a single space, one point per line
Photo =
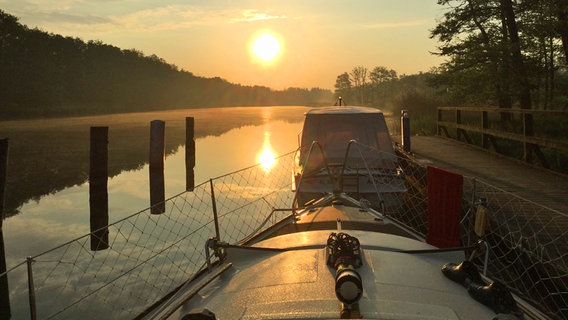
x=306 y=161
x=337 y=178
x=531 y=142
x=512 y=110
x=355 y=142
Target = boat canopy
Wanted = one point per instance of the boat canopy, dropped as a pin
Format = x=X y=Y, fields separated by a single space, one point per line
x=334 y=127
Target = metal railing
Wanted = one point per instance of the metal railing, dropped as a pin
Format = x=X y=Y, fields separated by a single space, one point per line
x=150 y=256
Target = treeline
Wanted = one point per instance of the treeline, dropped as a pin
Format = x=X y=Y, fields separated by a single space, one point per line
x=504 y=53
x=44 y=74
x=384 y=88
x=500 y=53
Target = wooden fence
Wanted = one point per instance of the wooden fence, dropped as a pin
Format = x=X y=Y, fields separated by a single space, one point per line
x=497 y=129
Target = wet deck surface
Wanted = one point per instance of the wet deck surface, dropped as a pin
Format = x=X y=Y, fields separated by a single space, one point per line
x=538 y=185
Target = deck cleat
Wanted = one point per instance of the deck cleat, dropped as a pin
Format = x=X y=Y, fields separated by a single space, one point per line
x=465 y=273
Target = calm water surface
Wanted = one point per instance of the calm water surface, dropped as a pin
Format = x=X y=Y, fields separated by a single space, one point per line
x=63 y=216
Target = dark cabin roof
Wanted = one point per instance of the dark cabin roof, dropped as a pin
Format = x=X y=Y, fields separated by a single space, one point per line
x=342 y=110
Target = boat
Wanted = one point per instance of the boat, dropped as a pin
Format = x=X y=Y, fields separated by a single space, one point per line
x=369 y=272
x=338 y=256
x=349 y=150
x=241 y=246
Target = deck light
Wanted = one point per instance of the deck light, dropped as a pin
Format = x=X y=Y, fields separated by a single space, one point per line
x=348 y=284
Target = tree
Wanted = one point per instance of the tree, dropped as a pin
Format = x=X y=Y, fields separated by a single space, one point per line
x=509 y=20
x=562 y=26
x=359 y=77
x=343 y=87
x=510 y=46
x=473 y=37
x=380 y=78
x=381 y=74
x=543 y=41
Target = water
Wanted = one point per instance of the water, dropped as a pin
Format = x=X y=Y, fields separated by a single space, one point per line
x=64 y=215
x=227 y=139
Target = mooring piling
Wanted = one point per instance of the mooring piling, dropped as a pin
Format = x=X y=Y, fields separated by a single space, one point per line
x=189 y=153
x=3 y=172
x=157 y=158
x=98 y=193
x=5 y=311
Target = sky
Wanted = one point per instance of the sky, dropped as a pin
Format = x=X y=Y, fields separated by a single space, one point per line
x=312 y=41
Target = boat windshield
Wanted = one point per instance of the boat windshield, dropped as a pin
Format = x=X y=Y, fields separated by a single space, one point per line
x=334 y=131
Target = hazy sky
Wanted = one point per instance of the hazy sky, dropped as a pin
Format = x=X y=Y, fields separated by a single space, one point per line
x=317 y=39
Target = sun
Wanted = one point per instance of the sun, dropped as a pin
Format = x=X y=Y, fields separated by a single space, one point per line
x=266 y=47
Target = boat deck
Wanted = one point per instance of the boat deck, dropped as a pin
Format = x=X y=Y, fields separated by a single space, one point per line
x=336 y=218
x=298 y=284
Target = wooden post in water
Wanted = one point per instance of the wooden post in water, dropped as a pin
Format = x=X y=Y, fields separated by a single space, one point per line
x=157 y=156
x=98 y=193
x=5 y=311
x=189 y=153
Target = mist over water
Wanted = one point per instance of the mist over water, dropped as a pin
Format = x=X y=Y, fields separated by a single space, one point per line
x=49 y=220
x=226 y=139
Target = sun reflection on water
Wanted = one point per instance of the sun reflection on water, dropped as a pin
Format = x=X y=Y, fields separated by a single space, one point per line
x=266 y=157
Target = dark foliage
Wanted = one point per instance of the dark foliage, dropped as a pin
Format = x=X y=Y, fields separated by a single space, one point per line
x=48 y=75
x=504 y=53
x=392 y=93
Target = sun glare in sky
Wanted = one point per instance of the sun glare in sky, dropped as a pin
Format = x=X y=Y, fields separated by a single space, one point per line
x=266 y=47
x=278 y=44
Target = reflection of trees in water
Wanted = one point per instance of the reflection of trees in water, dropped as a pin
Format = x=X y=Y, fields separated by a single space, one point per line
x=43 y=161
x=150 y=255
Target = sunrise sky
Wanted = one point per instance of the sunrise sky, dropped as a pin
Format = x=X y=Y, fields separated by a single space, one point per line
x=310 y=42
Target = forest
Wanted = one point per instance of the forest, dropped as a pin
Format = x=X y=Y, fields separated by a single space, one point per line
x=48 y=75
x=498 y=53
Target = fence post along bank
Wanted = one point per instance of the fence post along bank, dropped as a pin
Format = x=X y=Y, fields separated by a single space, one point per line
x=483 y=127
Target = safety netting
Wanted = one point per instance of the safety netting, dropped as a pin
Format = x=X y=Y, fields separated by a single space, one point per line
x=150 y=255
